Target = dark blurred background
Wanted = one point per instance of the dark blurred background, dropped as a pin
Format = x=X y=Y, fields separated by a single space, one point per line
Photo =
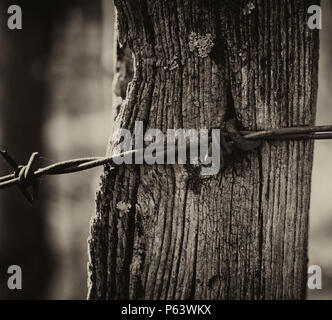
x=55 y=98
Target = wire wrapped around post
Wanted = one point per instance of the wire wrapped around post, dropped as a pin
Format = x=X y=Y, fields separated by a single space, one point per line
x=26 y=176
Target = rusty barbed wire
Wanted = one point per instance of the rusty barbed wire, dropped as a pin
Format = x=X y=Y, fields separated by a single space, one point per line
x=25 y=176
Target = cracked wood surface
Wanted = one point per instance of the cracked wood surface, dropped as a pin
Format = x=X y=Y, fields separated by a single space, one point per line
x=241 y=234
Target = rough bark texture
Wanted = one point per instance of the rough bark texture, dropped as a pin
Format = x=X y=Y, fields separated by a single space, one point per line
x=241 y=234
x=124 y=74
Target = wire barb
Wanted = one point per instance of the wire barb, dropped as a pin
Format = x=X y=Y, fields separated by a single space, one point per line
x=26 y=177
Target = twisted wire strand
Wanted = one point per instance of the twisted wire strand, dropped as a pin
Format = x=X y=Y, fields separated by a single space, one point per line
x=25 y=176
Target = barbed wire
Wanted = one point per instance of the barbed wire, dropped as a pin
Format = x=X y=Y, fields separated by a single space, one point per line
x=25 y=176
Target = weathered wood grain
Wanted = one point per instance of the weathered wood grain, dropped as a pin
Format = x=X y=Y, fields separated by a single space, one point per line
x=243 y=233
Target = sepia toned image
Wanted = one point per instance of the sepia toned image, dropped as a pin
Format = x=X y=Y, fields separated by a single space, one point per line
x=165 y=150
